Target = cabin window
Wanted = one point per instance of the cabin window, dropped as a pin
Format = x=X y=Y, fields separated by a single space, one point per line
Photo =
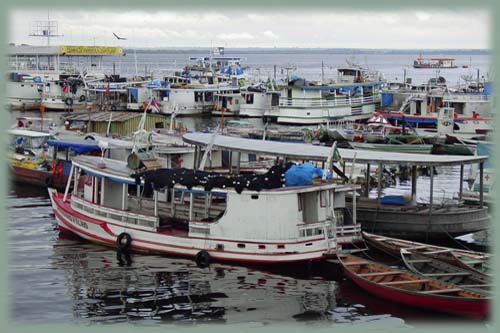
x=308 y=244
x=323 y=198
x=219 y=247
x=262 y=247
x=300 y=202
x=309 y=232
x=209 y=96
x=241 y=246
x=280 y=246
x=198 y=96
x=319 y=231
x=255 y=196
x=249 y=98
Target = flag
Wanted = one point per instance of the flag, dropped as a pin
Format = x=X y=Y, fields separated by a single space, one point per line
x=65 y=87
x=154 y=103
x=337 y=157
x=107 y=90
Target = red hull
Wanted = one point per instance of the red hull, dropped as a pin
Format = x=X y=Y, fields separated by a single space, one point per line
x=37 y=177
x=473 y=308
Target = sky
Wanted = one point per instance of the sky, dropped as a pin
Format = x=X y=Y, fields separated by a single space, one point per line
x=395 y=29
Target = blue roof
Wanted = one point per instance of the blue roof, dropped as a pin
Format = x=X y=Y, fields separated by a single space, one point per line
x=79 y=146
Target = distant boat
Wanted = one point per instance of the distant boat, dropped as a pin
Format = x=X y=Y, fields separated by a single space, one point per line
x=422 y=62
x=414 y=290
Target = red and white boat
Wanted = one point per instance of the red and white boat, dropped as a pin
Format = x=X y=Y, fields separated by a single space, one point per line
x=414 y=290
x=280 y=225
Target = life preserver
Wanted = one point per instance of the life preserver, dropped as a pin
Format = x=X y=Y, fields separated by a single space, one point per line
x=68 y=101
x=203 y=259
x=82 y=98
x=123 y=241
x=113 y=107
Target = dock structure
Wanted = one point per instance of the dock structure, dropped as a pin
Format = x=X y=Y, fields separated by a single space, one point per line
x=406 y=220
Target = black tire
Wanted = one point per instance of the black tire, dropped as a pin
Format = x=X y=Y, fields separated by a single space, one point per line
x=113 y=107
x=123 y=241
x=203 y=259
x=68 y=101
x=82 y=98
x=49 y=181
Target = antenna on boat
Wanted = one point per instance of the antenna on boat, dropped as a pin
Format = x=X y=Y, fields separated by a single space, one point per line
x=45 y=29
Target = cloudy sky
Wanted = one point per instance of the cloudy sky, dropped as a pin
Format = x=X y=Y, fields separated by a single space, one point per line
x=414 y=29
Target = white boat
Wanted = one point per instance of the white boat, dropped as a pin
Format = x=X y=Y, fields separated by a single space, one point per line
x=220 y=224
x=351 y=97
x=227 y=102
x=256 y=102
x=473 y=111
x=35 y=69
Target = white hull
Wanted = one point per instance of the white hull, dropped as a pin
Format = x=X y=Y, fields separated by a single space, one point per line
x=318 y=115
x=92 y=227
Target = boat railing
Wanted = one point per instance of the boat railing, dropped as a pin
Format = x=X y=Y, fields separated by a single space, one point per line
x=466 y=98
x=313 y=229
x=322 y=102
x=114 y=215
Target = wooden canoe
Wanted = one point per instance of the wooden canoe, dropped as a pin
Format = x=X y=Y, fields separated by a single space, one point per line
x=414 y=290
x=445 y=272
x=475 y=261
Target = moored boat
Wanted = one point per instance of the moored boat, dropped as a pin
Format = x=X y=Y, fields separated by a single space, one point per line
x=477 y=261
x=414 y=290
x=205 y=222
x=429 y=266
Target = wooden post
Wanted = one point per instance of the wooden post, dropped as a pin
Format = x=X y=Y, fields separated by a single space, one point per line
x=367 y=180
x=431 y=200
x=195 y=157
x=379 y=185
x=238 y=163
x=461 y=182
x=230 y=162
x=414 y=183
x=481 y=184
x=69 y=182
x=124 y=195
x=191 y=199
x=155 y=194
x=103 y=187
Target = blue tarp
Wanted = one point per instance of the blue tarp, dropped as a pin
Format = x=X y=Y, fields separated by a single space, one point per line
x=387 y=99
x=302 y=174
x=488 y=87
x=231 y=70
x=79 y=146
x=392 y=200
x=135 y=94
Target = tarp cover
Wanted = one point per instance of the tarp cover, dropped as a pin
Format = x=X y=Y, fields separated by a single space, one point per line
x=79 y=146
x=392 y=200
x=302 y=174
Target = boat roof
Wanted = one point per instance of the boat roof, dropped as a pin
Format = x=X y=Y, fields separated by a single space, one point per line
x=104 y=116
x=28 y=133
x=79 y=145
x=118 y=171
x=79 y=50
x=302 y=151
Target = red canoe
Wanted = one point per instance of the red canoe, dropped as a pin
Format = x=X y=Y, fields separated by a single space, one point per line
x=414 y=290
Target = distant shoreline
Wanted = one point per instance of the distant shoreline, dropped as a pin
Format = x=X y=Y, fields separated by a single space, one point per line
x=297 y=50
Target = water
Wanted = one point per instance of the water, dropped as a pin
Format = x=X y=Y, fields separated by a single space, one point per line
x=309 y=65
x=58 y=280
